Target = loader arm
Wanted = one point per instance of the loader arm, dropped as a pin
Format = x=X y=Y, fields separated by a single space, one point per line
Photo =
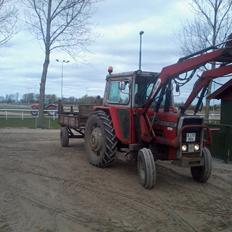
x=204 y=81
x=170 y=72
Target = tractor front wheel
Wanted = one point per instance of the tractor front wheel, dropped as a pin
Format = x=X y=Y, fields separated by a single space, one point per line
x=64 y=136
x=100 y=139
x=146 y=168
x=203 y=173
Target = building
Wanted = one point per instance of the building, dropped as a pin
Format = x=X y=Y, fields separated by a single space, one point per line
x=222 y=140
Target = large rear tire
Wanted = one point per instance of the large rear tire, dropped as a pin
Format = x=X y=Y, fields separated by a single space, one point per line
x=203 y=173
x=64 y=136
x=100 y=139
x=146 y=168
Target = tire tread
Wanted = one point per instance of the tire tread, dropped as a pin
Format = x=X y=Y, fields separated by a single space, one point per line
x=110 y=140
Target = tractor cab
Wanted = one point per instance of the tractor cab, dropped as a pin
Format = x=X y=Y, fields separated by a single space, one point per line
x=125 y=95
x=132 y=89
x=129 y=88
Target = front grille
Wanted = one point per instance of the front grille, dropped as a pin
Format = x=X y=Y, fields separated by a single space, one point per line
x=191 y=134
x=192 y=120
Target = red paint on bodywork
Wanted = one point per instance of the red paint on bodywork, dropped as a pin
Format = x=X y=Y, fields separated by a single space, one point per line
x=113 y=112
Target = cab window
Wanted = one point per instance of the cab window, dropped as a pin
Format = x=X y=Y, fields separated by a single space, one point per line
x=143 y=89
x=119 y=92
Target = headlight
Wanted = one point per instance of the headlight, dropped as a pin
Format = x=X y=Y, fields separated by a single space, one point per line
x=196 y=147
x=184 y=148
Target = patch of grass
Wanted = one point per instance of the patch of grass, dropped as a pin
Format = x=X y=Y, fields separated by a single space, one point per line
x=28 y=123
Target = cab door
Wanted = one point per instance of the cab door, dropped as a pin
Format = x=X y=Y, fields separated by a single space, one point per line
x=119 y=101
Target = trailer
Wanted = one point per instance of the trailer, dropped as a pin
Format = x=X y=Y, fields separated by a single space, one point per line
x=73 y=122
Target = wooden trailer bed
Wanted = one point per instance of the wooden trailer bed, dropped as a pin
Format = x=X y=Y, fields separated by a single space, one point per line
x=73 y=123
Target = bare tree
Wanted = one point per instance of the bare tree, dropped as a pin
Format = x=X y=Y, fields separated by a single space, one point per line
x=8 y=18
x=60 y=24
x=211 y=25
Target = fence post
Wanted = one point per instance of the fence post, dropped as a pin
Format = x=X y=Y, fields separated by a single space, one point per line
x=6 y=115
x=35 y=122
x=22 y=115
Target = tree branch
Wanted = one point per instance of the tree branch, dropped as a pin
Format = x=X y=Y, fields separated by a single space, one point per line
x=199 y=7
x=57 y=33
x=223 y=17
x=8 y=20
x=40 y=20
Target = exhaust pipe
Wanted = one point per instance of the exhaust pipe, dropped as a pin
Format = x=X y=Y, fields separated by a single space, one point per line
x=140 y=48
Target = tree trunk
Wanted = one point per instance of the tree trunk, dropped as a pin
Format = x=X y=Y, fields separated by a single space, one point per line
x=47 y=41
x=209 y=91
x=40 y=123
x=207 y=101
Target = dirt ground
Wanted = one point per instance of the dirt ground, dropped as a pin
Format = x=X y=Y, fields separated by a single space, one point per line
x=46 y=188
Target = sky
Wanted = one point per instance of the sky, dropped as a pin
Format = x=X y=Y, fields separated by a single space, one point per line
x=115 y=41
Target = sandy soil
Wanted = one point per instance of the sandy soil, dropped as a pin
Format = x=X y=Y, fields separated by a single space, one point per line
x=46 y=188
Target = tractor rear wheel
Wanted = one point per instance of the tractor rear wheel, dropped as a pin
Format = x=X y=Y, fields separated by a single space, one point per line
x=202 y=173
x=100 y=139
x=146 y=168
x=64 y=136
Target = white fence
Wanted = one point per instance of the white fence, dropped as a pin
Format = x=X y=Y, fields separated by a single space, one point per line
x=25 y=113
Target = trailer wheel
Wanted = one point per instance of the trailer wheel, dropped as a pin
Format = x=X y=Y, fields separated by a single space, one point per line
x=100 y=139
x=64 y=136
x=202 y=173
x=146 y=168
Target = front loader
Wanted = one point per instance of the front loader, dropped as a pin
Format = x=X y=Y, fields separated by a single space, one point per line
x=138 y=116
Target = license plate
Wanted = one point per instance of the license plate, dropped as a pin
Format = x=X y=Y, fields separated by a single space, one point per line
x=190 y=137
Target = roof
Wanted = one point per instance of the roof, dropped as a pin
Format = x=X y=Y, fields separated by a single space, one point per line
x=138 y=72
x=224 y=92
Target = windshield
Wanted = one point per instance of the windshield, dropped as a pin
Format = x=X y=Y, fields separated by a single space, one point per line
x=143 y=88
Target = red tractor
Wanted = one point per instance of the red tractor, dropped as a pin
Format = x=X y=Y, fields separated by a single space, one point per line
x=138 y=116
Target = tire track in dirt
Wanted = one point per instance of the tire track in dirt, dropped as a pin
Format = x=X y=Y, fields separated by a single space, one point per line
x=132 y=204
x=48 y=188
